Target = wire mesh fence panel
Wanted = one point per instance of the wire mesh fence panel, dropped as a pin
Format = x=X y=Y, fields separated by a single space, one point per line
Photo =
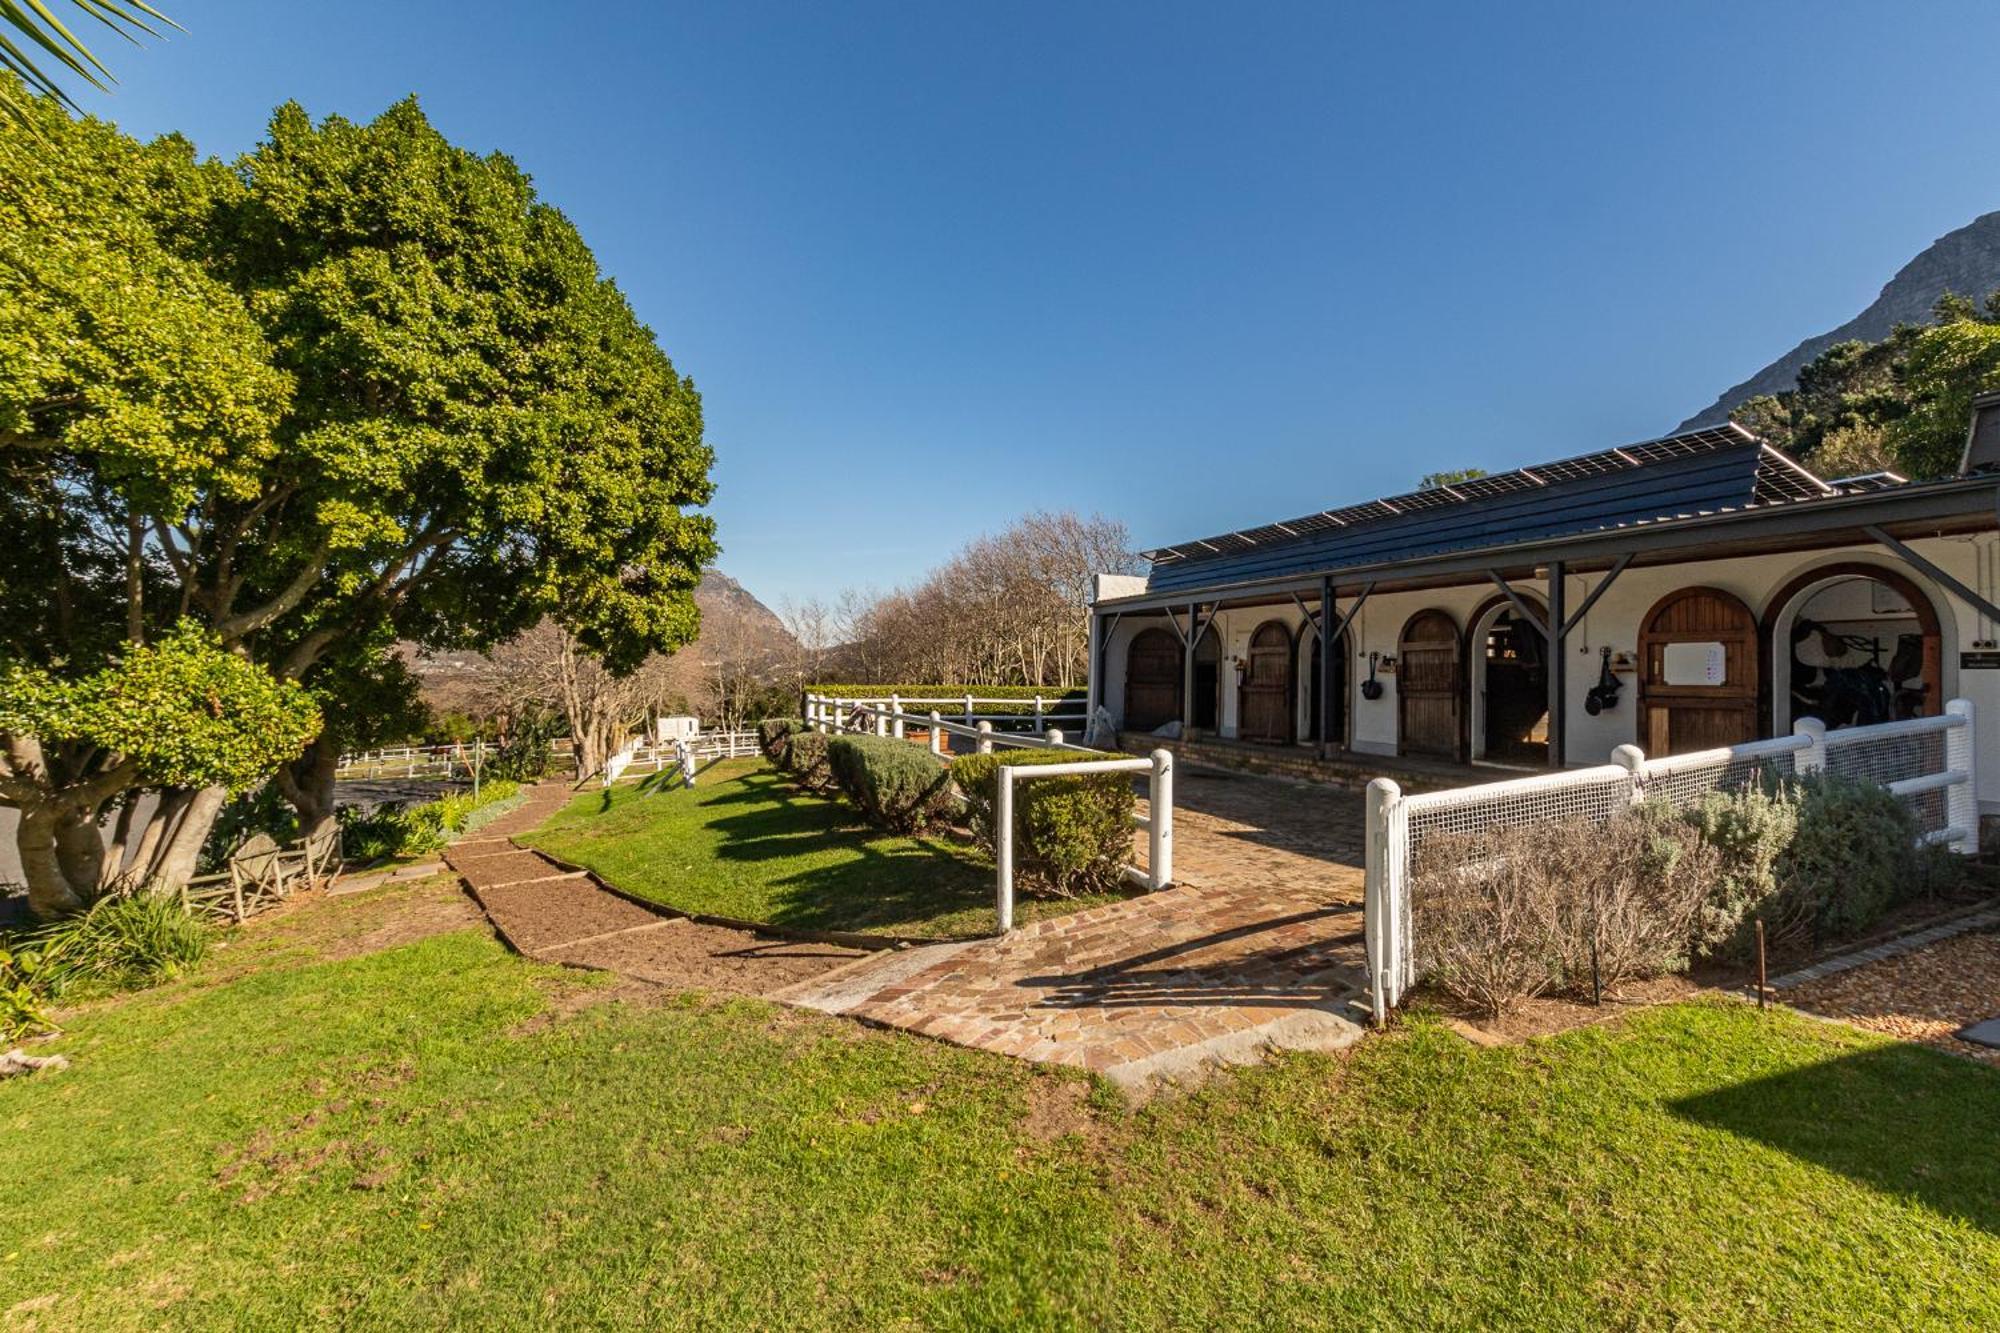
x=1895 y=757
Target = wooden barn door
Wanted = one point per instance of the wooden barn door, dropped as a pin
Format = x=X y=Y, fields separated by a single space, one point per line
x=1265 y=703
x=1698 y=672
x=1153 y=678
x=1428 y=697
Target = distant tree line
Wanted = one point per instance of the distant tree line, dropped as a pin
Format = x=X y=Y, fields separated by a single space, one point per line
x=1010 y=608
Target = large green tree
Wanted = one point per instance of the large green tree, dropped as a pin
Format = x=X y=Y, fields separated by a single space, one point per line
x=360 y=384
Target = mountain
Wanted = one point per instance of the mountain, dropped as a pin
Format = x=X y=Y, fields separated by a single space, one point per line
x=723 y=599
x=1966 y=261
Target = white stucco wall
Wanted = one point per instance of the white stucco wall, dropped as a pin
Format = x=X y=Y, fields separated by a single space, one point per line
x=1615 y=621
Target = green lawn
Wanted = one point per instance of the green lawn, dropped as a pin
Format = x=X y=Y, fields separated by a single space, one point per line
x=747 y=844
x=436 y=1135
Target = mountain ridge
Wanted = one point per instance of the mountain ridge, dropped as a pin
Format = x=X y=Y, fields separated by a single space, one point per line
x=1965 y=261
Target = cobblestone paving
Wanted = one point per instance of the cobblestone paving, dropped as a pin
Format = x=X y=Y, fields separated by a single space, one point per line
x=1260 y=944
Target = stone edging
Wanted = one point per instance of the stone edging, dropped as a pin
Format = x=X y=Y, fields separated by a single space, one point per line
x=1894 y=948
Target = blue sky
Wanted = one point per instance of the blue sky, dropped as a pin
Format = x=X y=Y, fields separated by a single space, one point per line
x=1194 y=267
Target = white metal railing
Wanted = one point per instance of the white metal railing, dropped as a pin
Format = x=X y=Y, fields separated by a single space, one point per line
x=1158 y=767
x=1926 y=761
x=1038 y=711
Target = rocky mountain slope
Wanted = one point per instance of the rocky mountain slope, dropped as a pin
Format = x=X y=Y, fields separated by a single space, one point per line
x=1966 y=261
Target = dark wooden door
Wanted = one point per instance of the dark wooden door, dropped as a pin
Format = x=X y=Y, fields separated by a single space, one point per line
x=1698 y=672
x=1428 y=693
x=1153 y=678
x=1265 y=705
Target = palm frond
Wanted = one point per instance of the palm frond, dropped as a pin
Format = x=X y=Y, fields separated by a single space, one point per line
x=36 y=45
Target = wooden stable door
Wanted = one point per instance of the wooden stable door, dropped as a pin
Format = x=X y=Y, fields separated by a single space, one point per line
x=1265 y=702
x=1698 y=673
x=1428 y=693
x=1153 y=678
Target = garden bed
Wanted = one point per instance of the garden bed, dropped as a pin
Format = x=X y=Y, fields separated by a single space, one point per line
x=746 y=845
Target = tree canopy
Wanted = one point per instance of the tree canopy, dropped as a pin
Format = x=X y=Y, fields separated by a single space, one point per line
x=359 y=385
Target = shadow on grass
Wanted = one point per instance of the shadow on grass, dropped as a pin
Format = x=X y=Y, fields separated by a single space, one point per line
x=1899 y=1119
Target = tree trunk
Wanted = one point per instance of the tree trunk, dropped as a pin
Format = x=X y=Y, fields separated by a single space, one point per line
x=177 y=858
x=307 y=782
x=49 y=890
x=80 y=850
x=138 y=858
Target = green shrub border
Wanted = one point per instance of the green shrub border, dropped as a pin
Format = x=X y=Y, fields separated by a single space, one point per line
x=896 y=785
x=1074 y=833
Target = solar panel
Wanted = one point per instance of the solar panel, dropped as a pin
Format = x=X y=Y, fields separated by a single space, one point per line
x=1778 y=478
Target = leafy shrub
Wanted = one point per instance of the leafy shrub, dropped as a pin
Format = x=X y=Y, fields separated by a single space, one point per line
x=773 y=733
x=122 y=941
x=894 y=784
x=23 y=1005
x=1854 y=855
x=805 y=759
x=395 y=830
x=1073 y=835
x=1749 y=830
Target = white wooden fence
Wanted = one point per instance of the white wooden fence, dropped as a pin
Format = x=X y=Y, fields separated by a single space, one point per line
x=1927 y=761
x=1039 y=712
x=412 y=761
x=1158 y=768
x=644 y=755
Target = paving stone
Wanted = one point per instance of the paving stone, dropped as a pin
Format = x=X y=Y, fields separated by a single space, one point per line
x=1986 y=1033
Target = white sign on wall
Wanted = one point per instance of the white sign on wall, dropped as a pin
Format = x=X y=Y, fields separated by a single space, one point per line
x=1695 y=663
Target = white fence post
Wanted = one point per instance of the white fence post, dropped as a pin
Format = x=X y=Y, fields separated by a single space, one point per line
x=985 y=737
x=1055 y=736
x=881 y=721
x=1003 y=850
x=1633 y=760
x=937 y=733
x=1812 y=759
x=896 y=716
x=1038 y=715
x=1962 y=799
x=1160 y=821
x=968 y=710
x=1381 y=908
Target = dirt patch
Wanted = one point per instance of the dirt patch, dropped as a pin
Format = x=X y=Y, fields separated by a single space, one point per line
x=687 y=956
x=1548 y=1015
x=1923 y=996
x=495 y=864
x=324 y=928
x=552 y=913
x=1058 y=1108
x=567 y=999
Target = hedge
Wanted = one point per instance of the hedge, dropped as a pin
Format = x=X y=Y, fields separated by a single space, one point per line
x=805 y=759
x=1073 y=835
x=773 y=733
x=896 y=785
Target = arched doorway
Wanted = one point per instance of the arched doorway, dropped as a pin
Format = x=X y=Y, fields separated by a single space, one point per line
x=1264 y=703
x=1507 y=660
x=1427 y=686
x=1698 y=672
x=1208 y=682
x=1152 y=680
x=1852 y=643
x=1328 y=727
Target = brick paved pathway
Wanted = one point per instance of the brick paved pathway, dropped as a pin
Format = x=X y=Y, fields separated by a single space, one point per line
x=1261 y=945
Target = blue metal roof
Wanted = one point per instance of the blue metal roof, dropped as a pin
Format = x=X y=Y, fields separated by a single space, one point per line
x=1701 y=472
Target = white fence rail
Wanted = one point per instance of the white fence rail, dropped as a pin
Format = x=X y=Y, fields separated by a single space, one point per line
x=1927 y=761
x=1040 y=712
x=1158 y=822
x=411 y=761
x=654 y=756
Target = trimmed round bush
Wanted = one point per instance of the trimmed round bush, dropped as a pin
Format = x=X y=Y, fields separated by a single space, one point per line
x=804 y=759
x=773 y=733
x=1073 y=835
x=896 y=785
x=1854 y=855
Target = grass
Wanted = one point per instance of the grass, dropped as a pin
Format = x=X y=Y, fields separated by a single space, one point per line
x=318 y=1130
x=747 y=844
x=436 y=1134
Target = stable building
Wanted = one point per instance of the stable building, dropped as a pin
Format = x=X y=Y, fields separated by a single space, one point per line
x=1684 y=593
